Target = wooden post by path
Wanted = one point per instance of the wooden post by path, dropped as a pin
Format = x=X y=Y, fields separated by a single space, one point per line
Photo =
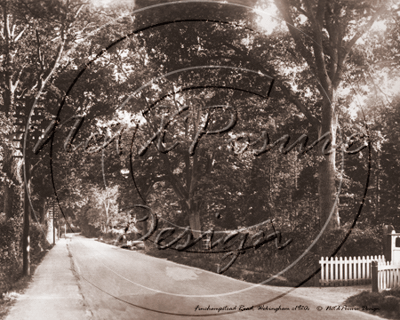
x=54 y=226
x=374 y=271
x=25 y=236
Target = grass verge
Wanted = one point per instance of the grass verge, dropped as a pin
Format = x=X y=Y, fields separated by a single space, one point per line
x=385 y=304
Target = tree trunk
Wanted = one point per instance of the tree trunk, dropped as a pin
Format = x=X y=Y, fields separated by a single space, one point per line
x=43 y=212
x=327 y=168
x=8 y=96
x=9 y=195
x=9 y=186
x=144 y=227
x=106 y=227
x=25 y=235
x=194 y=222
x=377 y=214
x=194 y=218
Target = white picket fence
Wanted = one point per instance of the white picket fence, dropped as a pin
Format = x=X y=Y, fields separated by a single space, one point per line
x=388 y=275
x=347 y=271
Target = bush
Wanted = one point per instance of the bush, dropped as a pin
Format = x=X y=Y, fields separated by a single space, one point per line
x=10 y=252
x=360 y=242
x=390 y=303
x=394 y=292
x=386 y=303
x=108 y=236
x=11 y=249
x=90 y=231
x=363 y=242
x=37 y=235
x=266 y=261
x=366 y=298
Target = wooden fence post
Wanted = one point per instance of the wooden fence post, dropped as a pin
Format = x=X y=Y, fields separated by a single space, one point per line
x=374 y=273
x=316 y=280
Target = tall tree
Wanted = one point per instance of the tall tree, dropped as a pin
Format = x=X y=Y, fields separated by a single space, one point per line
x=324 y=34
x=34 y=36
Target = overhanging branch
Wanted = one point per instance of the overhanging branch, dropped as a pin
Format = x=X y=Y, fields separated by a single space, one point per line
x=291 y=97
x=284 y=9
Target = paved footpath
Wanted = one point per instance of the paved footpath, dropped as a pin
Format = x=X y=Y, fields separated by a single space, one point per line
x=53 y=293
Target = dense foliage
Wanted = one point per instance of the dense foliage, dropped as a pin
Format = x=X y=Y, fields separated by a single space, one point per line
x=11 y=249
x=180 y=114
x=385 y=304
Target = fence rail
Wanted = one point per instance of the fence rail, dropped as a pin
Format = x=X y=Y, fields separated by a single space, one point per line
x=347 y=271
x=388 y=275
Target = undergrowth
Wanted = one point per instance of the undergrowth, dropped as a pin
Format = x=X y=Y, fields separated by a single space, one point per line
x=386 y=303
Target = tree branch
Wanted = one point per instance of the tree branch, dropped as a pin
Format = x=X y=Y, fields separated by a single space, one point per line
x=363 y=29
x=284 y=9
x=348 y=46
x=176 y=184
x=320 y=12
x=317 y=46
x=193 y=178
x=55 y=63
x=39 y=54
x=19 y=35
x=289 y=95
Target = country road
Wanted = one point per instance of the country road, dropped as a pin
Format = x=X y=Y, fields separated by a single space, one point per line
x=113 y=283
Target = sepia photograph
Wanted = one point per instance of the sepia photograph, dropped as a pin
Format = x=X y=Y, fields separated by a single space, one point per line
x=199 y=159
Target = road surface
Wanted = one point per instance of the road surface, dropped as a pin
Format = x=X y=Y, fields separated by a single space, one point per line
x=100 y=281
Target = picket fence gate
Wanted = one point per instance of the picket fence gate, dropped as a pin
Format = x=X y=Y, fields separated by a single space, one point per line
x=347 y=271
x=388 y=275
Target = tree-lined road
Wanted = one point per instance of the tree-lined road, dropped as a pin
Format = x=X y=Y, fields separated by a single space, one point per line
x=194 y=110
